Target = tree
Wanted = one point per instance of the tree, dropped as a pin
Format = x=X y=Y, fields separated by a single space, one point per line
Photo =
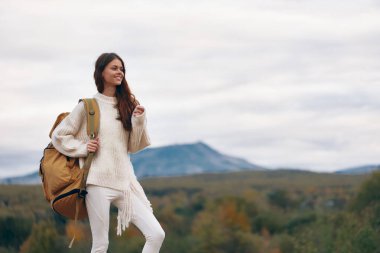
x=14 y=230
x=224 y=227
x=280 y=198
x=44 y=238
x=369 y=193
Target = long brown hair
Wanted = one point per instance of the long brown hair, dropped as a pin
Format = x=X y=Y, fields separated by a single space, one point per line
x=126 y=101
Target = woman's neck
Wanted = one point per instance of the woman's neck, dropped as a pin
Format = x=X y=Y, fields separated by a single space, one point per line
x=109 y=91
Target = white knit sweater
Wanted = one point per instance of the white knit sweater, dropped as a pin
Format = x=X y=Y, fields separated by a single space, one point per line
x=111 y=166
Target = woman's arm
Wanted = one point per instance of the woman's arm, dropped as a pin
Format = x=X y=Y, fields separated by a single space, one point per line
x=63 y=135
x=138 y=137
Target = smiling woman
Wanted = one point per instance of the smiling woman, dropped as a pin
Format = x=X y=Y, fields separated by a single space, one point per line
x=114 y=72
x=111 y=178
x=110 y=80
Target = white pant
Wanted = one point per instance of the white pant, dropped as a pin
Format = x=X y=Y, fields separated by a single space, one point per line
x=98 y=201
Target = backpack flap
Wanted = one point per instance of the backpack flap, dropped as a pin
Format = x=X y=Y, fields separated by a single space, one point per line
x=57 y=121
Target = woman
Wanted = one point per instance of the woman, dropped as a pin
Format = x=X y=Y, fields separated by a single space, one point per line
x=111 y=179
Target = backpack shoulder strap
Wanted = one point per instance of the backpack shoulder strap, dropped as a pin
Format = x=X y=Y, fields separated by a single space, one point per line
x=93 y=119
x=92 y=115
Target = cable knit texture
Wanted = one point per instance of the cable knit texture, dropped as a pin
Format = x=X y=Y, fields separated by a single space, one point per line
x=111 y=166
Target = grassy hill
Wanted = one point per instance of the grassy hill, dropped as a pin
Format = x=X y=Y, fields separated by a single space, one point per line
x=28 y=199
x=237 y=182
x=258 y=211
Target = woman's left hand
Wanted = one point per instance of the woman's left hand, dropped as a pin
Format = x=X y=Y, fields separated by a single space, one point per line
x=139 y=109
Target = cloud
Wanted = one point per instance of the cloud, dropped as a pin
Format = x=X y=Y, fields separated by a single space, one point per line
x=280 y=83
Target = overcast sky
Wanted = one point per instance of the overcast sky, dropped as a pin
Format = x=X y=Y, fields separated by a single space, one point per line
x=279 y=83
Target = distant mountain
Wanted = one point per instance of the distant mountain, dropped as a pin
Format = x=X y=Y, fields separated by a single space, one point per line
x=171 y=160
x=32 y=178
x=186 y=159
x=359 y=170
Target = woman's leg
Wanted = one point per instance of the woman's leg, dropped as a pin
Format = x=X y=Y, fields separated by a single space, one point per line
x=98 y=202
x=147 y=223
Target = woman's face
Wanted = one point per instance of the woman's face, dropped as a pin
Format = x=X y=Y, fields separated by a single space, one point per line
x=113 y=73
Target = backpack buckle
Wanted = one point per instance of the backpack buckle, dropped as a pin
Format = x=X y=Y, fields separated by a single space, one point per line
x=82 y=193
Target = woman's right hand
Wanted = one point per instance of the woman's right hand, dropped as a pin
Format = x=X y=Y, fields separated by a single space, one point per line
x=93 y=145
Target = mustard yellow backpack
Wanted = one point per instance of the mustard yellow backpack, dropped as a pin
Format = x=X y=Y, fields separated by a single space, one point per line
x=63 y=182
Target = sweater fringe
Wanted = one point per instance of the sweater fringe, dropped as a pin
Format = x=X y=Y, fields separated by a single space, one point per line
x=125 y=214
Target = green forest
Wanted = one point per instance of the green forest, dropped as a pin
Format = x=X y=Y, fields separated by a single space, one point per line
x=276 y=211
